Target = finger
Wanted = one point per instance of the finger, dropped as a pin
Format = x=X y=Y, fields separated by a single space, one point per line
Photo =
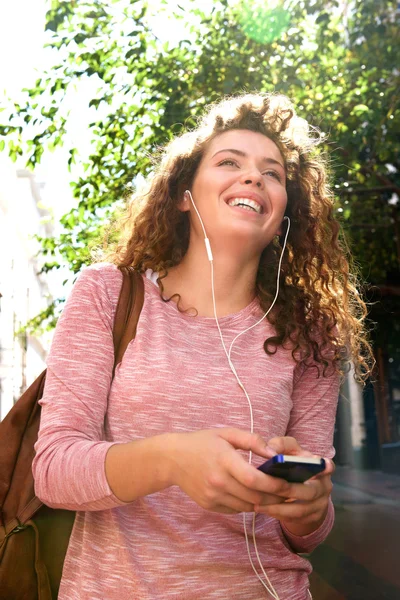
x=245 y=440
x=288 y=445
x=236 y=489
x=251 y=478
x=329 y=468
x=222 y=486
x=297 y=510
x=254 y=479
x=268 y=499
x=232 y=504
x=310 y=491
x=323 y=485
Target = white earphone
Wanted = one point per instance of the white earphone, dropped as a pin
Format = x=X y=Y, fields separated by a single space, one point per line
x=271 y=590
x=206 y=240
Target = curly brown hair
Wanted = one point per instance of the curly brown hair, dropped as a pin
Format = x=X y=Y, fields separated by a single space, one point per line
x=319 y=313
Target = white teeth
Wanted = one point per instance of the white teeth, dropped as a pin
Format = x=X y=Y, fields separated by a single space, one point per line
x=245 y=203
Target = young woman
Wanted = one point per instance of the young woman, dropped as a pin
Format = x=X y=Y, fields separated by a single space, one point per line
x=160 y=461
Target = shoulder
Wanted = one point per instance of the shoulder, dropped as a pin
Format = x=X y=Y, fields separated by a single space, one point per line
x=100 y=278
x=97 y=287
x=101 y=271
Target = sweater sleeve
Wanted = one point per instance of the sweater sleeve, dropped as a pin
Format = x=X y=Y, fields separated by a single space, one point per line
x=312 y=422
x=307 y=543
x=69 y=465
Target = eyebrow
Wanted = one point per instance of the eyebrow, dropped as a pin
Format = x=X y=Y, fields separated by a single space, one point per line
x=270 y=161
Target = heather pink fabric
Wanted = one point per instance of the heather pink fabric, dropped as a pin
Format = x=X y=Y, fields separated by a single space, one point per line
x=174 y=377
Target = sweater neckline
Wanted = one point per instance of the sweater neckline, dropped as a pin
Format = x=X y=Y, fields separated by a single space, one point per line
x=232 y=319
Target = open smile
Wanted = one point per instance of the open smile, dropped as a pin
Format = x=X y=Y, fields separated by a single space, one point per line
x=248 y=202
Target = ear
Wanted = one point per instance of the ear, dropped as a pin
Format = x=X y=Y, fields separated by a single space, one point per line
x=184 y=204
x=279 y=231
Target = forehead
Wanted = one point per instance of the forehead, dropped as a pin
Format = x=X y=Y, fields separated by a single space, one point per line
x=251 y=142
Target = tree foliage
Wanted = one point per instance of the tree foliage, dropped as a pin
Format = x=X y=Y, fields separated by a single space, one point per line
x=338 y=60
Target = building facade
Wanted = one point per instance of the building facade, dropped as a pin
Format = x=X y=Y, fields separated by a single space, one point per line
x=24 y=293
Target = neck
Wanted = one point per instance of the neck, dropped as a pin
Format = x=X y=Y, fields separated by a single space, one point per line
x=234 y=282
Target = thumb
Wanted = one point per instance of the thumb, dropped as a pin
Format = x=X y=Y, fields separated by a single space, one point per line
x=245 y=440
x=288 y=445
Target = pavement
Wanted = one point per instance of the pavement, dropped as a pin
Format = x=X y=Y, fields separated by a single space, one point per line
x=360 y=559
x=377 y=484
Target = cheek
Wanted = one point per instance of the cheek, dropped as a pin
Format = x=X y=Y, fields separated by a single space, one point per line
x=212 y=183
x=283 y=198
x=201 y=184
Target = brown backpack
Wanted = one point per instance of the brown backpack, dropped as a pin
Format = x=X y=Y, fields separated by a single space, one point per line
x=33 y=537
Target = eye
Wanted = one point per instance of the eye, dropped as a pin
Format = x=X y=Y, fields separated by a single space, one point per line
x=228 y=161
x=274 y=174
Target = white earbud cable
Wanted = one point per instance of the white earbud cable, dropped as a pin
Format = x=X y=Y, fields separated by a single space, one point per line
x=270 y=590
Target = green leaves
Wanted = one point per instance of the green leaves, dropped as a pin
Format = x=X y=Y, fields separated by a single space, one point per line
x=359 y=109
x=342 y=71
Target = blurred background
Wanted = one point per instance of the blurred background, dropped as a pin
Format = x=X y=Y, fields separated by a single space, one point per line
x=89 y=89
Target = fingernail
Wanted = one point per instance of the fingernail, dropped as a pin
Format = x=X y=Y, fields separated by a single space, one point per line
x=271 y=450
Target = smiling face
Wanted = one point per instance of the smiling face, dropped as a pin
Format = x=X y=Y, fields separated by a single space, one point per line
x=240 y=190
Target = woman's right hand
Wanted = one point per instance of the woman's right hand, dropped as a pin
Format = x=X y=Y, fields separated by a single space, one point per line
x=206 y=466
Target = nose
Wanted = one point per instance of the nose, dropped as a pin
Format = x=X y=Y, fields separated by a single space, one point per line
x=254 y=177
x=250 y=181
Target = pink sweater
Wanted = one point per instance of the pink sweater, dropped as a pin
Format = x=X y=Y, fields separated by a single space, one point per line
x=174 y=377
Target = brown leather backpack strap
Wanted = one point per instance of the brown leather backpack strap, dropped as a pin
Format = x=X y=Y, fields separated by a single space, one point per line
x=128 y=310
x=43 y=584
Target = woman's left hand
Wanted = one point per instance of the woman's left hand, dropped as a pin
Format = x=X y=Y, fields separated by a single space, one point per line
x=306 y=510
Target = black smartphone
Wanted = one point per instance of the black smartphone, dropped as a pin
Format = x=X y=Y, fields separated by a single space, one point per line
x=295 y=469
